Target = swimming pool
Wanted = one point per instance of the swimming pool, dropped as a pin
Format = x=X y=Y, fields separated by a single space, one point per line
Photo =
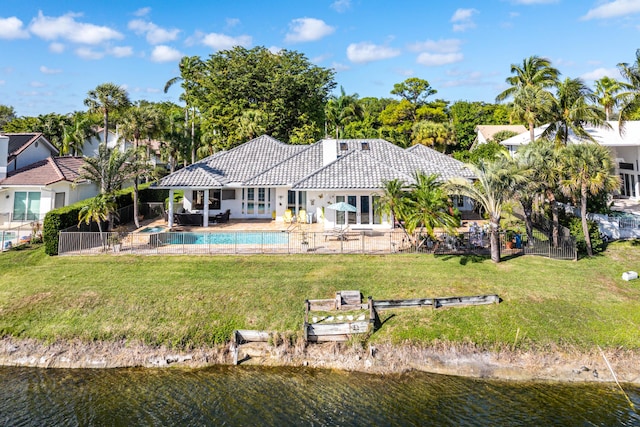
x=237 y=238
x=156 y=229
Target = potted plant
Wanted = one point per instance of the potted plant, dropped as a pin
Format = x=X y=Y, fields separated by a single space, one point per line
x=509 y=239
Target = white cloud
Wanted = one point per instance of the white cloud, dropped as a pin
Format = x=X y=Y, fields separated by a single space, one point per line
x=341 y=6
x=599 y=73
x=120 y=51
x=56 y=47
x=367 y=52
x=164 y=53
x=153 y=33
x=462 y=21
x=219 y=41
x=11 y=28
x=437 y=59
x=275 y=50
x=143 y=11
x=307 y=29
x=439 y=46
x=67 y=28
x=37 y=84
x=613 y=9
x=89 y=53
x=405 y=72
x=47 y=70
x=232 y=22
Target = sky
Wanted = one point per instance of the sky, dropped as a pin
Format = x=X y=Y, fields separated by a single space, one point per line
x=53 y=52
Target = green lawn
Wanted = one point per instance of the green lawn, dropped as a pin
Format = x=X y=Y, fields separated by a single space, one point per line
x=183 y=301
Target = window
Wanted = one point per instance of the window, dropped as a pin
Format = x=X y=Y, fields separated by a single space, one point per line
x=26 y=206
x=364 y=146
x=626 y=166
x=344 y=146
x=228 y=194
x=198 y=199
x=59 y=201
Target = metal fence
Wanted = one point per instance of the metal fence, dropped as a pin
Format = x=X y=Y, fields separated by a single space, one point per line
x=20 y=235
x=124 y=216
x=302 y=242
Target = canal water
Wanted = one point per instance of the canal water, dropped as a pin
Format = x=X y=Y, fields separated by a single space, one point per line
x=250 y=396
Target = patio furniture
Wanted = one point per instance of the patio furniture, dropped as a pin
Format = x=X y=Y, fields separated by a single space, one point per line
x=302 y=216
x=337 y=233
x=221 y=217
x=288 y=217
x=188 y=219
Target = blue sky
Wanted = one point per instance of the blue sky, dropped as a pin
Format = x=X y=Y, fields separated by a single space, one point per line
x=53 y=52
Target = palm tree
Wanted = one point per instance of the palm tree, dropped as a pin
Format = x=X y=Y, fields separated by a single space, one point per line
x=588 y=171
x=99 y=209
x=106 y=98
x=433 y=134
x=528 y=90
x=609 y=94
x=631 y=98
x=191 y=68
x=572 y=110
x=542 y=160
x=427 y=206
x=340 y=110
x=393 y=202
x=497 y=182
x=76 y=134
x=139 y=122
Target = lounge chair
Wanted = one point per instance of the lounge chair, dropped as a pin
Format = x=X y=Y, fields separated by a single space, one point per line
x=338 y=233
x=288 y=217
x=302 y=216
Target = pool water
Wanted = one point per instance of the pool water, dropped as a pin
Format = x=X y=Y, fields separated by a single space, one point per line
x=239 y=238
x=156 y=229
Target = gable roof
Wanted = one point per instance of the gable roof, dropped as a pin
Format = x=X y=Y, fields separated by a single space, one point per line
x=46 y=172
x=18 y=142
x=359 y=163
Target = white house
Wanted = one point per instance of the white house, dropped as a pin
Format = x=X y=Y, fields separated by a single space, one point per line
x=624 y=147
x=486 y=133
x=33 y=180
x=115 y=140
x=265 y=178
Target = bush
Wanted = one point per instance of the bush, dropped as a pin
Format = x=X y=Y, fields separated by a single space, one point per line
x=575 y=228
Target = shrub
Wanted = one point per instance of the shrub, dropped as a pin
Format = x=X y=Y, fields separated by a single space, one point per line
x=575 y=228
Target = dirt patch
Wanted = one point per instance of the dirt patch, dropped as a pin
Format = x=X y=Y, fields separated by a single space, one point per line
x=449 y=359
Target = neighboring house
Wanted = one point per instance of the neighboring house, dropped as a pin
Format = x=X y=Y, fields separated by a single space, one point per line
x=624 y=147
x=264 y=178
x=114 y=139
x=486 y=133
x=41 y=182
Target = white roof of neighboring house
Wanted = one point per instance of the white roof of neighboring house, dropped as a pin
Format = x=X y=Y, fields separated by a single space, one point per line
x=609 y=137
x=488 y=131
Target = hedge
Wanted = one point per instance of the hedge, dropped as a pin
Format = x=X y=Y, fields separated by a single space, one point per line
x=67 y=216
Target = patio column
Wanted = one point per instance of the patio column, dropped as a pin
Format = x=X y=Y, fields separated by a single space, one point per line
x=170 y=216
x=205 y=218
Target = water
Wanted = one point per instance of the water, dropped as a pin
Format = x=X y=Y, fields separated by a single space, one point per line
x=239 y=238
x=251 y=396
x=155 y=229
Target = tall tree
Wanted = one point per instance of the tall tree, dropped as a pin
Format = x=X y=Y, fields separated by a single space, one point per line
x=100 y=208
x=415 y=91
x=572 y=110
x=7 y=113
x=609 y=94
x=104 y=99
x=588 y=170
x=341 y=110
x=393 y=202
x=431 y=134
x=528 y=89
x=191 y=69
x=630 y=98
x=76 y=134
x=497 y=182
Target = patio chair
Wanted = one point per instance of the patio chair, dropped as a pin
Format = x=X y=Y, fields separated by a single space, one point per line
x=222 y=217
x=338 y=233
x=302 y=216
x=288 y=216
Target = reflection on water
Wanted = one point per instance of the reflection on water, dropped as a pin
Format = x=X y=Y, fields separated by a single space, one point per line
x=285 y=396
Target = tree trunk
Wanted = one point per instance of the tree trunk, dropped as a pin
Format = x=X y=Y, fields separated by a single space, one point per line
x=555 y=220
x=527 y=208
x=585 y=224
x=531 y=133
x=193 y=136
x=106 y=127
x=495 y=239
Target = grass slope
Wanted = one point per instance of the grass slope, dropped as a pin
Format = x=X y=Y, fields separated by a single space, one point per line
x=185 y=302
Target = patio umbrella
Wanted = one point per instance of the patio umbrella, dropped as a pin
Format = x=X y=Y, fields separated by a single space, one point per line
x=342 y=207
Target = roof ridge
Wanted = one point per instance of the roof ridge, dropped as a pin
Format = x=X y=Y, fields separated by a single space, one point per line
x=282 y=161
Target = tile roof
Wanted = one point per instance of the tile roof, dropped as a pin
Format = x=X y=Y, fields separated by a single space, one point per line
x=361 y=163
x=45 y=172
x=355 y=170
x=18 y=142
